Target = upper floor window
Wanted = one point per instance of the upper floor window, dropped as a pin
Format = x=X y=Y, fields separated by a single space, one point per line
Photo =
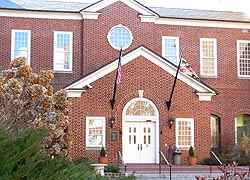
x=62 y=51
x=170 y=49
x=243 y=58
x=120 y=37
x=95 y=131
x=184 y=132
x=20 y=44
x=208 y=57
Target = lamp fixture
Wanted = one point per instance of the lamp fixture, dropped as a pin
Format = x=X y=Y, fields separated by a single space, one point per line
x=112 y=121
x=171 y=122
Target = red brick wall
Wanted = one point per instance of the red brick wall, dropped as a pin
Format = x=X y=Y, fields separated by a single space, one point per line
x=42 y=44
x=228 y=85
x=91 y=51
x=157 y=85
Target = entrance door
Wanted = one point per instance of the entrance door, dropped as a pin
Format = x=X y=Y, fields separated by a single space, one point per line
x=139 y=142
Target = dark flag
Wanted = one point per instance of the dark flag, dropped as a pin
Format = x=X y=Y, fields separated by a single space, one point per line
x=119 y=71
x=172 y=92
x=117 y=79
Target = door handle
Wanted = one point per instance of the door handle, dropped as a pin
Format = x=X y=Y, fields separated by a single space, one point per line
x=141 y=147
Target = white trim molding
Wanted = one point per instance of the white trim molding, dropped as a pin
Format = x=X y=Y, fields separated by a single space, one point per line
x=204 y=92
x=205 y=96
x=40 y=14
x=202 y=23
x=74 y=92
x=90 y=15
x=91 y=12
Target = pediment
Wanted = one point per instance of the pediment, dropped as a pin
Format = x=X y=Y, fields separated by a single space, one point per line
x=92 y=11
x=204 y=92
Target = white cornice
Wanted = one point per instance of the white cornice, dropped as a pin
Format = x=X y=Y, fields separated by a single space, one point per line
x=90 y=15
x=134 y=5
x=205 y=96
x=74 y=92
x=144 y=18
x=202 y=23
x=204 y=92
x=148 y=18
x=40 y=14
x=102 y=4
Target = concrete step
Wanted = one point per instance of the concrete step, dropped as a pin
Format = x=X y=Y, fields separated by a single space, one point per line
x=178 y=172
x=177 y=176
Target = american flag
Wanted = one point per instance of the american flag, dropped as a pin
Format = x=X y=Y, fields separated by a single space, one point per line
x=119 y=70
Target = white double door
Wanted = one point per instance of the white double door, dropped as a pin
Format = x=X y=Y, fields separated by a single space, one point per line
x=139 y=142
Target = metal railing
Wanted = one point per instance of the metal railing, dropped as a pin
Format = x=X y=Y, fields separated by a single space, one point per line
x=161 y=154
x=214 y=155
x=121 y=159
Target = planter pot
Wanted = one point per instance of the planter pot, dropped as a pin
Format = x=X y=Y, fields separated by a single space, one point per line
x=192 y=161
x=103 y=160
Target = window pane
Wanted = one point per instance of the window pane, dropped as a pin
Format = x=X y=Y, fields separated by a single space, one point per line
x=171 y=49
x=21 y=44
x=208 y=56
x=140 y=108
x=120 y=37
x=244 y=58
x=184 y=133
x=215 y=131
x=63 y=54
x=96 y=133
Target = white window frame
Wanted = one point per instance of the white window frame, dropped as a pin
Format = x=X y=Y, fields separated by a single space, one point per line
x=164 y=52
x=13 y=35
x=202 y=56
x=110 y=34
x=191 y=120
x=70 y=50
x=238 y=58
x=103 y=119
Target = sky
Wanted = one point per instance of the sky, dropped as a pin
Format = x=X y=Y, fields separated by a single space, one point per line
x=227 y=5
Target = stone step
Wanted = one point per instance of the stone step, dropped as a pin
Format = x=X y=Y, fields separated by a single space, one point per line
x=178 y=172
x=177 y=176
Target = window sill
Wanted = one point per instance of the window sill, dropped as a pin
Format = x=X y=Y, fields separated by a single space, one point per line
x=94 y=148
x=243 y=77
x=67 y=72
x=207 y=76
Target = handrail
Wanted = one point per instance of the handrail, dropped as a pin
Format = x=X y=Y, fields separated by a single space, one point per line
x=212 y=153
x=121 y=159
x=216 y=157
x=165 y=159
x=161 y=154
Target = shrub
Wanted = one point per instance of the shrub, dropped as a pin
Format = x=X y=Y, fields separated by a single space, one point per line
x=27 y=101
x=21 y=158
x=114 y=168
x=191 y=152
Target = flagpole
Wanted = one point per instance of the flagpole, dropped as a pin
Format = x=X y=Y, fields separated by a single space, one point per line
x=112 y=101
x=172 y=92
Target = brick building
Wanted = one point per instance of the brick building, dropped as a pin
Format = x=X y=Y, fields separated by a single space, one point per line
x=81 y=43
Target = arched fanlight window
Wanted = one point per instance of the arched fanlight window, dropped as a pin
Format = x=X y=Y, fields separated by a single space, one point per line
x=140 y=108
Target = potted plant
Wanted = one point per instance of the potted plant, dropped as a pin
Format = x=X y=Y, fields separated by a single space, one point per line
x=192 y=159
x=103 y=157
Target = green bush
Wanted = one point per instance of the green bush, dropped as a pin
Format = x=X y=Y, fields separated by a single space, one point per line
x=21 y=158
x=114 y=168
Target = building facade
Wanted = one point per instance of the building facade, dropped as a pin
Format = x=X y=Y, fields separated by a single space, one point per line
x=82 y=43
